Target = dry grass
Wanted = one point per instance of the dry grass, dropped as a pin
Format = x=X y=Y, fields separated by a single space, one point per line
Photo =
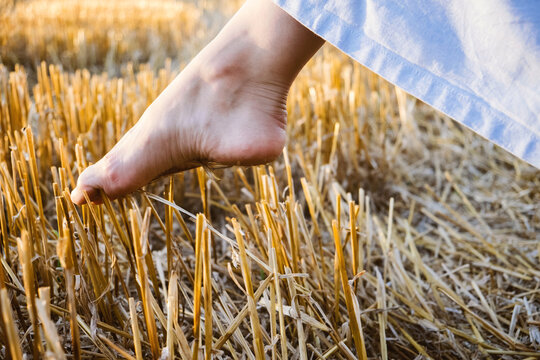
x=384 y=231
x=104 y=35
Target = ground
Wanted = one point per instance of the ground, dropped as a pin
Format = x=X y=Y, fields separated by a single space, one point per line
x=393 y=231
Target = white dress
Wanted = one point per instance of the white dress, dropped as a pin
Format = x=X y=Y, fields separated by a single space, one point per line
x=477 y=61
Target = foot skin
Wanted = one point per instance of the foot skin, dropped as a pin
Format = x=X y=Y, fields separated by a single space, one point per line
x=226 y=107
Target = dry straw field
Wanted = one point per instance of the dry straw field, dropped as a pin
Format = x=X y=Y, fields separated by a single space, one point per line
x=384 y=231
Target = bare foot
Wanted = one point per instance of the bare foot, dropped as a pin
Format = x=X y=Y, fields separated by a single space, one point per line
x=227 y=106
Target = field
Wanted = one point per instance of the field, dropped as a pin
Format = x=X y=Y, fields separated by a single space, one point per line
x=384 y=231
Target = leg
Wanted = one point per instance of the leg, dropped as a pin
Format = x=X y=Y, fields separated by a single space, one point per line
x=227 y=106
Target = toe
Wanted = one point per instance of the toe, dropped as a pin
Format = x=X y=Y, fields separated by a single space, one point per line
x=90 y=182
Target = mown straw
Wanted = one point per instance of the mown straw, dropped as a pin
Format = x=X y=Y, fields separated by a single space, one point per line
x=140 y=237
x=197 y=284
x=135 y=329
x=49 y=329
x=246 y=274
x=384 y=231
x=10 y=326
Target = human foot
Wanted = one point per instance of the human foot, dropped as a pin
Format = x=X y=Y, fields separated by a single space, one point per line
x=226 y=107
x=194 y=121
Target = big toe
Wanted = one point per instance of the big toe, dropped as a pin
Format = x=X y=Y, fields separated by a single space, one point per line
x=90 y=181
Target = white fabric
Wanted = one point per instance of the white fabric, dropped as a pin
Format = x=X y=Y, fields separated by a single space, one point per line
x=478 y=61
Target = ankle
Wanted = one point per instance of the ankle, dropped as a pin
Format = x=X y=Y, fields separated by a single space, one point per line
x=226 y=61
x=261 y=42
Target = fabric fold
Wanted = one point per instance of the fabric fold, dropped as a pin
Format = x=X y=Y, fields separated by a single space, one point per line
x=476 y=61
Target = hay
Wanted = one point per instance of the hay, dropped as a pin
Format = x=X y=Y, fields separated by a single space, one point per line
x=384 y=231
